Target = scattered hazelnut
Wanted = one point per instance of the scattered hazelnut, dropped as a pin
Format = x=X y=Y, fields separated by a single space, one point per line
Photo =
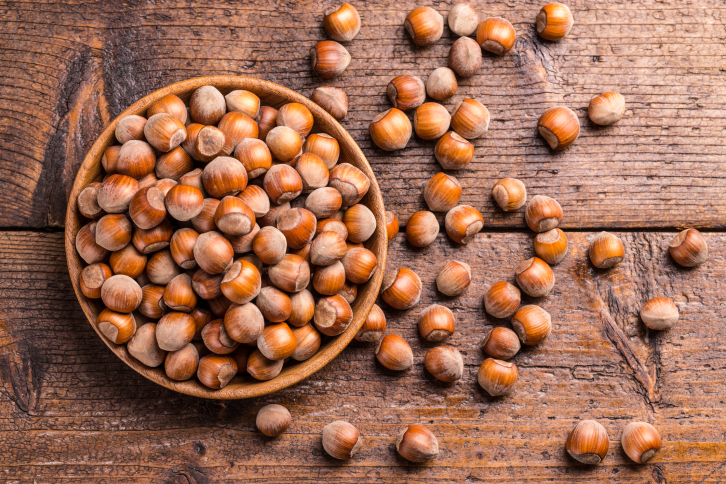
x=444 y=363
x=425 y=26
x=535 y=277
x=332 y=99
x=329 y=59
x=401 y=289
x=463 y=223
x=640 y=441
x=470 y=119
x=373 y=327
x=273 y=420
x=501 y=343
x=391 y=130
x=606 y=250
x=422 y=229
x=465 y=57
x=510 y=194
x=559 y=127
x=689 y=248
x=453 y=278
x=588 y=442
x=441 y=84
x=551 y=246
x=554 y=21
x=659 y=313
x=416 y=443
x=497 y=377
x=502 y=300
x=394 y=353
x=454 y=152
x=406 y=92
x=543 y=213
x=463 y=19
x=607 y=108
x=392 y=225
x=532 y=324
x=341 y=440
x=436 y=323
x=342 y=23
x=496 y=35
x=442 y=193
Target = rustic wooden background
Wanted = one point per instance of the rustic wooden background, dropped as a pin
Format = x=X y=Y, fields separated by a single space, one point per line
x=71 y=412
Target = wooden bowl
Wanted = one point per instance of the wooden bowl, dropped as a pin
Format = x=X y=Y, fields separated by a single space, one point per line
x=270 y=94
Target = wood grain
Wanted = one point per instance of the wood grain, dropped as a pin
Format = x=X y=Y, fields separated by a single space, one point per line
x=71 y=411
x=69 y=68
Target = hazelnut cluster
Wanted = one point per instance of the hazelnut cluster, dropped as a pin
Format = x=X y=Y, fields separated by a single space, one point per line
x=588 y=442
x=225 y=237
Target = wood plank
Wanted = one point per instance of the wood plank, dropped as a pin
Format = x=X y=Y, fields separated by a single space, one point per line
x=70 y=410
x=69 y=69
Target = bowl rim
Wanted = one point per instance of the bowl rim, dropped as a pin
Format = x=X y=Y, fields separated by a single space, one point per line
x=90 y=170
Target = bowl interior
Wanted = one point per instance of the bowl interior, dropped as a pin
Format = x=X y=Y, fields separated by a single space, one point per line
x=270 y=94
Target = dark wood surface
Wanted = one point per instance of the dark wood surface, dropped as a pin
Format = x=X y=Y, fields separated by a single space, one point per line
x=71 y=411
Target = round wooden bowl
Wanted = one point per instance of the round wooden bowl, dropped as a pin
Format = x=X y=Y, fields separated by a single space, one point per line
x=270 y=94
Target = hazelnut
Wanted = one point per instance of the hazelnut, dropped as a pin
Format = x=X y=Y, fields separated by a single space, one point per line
x=113 y=231
x=332 y=99
x=179 y=295
x=502 y=300
x=165 y=185
x=360 y=264
x=588 y=442
x=440 y=85
x=121 y=294
x=329 y=280
x=216 y=371
x=532 y=324
x=501 y=343
x=244 y=323
x=213 y=252
x=193 y=179
x=204 y=222
x=431 y=121
x=659 y=313
x=109 y=158
x=554 y=21
x=342 y=23
x=244 y=102
x=640 y=441
x=401 y=289
x=559 y=127
x=175 y=330
x=341 y=440
x=394 y=353
x=266 y=121
x=298 y=226
x=607 y=108
x=391 y=225
x=284 y=143
x=152 y=303
x=327 y=248
x=238 y=126
x=442 y=193
x=391 y=130
x=463 y=223
x=92 y=278
x=444 y=363
x=254 y=155
x=234 y=217
x=551 y=246
x=351 y=182
x=535 y=277
x=276 y=342
x=303 y=308
x=188 y=145
x=349 y=292
x=117 y=327
x=360 y=222
x=324 y=202
x=463 y=19
x=269 y=245
x=416 y=443
x=154 y=239
x=436 y=323
x=453 y=278
x=406 y=92
x=465 y=57
x=88 y=201
x=308 y=342
x=496 y=35
x=689 y=248
x=543 y=213
x=373 y=327
x=128 y=261
x=606 y=250
x=215 y=338
x=422 y=229
x=207 y=286
x=207 y=105
x=333 y=315
x=325 y=146
x=161 y=268
x=181 y=365
x=143 y=346
x=116 y=192
x=312 y=170
x=332 y=225
x=129 y=128
x=470 y=119
x=297 y=117
x=242 y=282
x=291 y=274
x=173 y=164
x=425 y=26
x=329 y=59
x=212 y=142
x=224 y=176
x=497 y=377
x=164 y=132
x=273 y=420
x=256 y=198
x=184 y=202
x=274 y=304
x=510 y=194
x=453 y=152
x=262 y=368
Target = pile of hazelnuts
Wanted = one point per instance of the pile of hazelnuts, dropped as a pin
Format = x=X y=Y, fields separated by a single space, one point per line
x=225 y=237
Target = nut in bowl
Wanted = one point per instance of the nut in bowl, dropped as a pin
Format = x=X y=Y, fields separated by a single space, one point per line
x=223 y=251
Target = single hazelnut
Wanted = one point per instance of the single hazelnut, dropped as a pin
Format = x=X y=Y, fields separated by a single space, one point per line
x=360 y=264
x=303 y=308
x=161 y=268
x=333 y=315
x=496 y=35
x=329 y=280
x=454 y=152
x=92 y=278
x=216 y=371
x=416 y=443
x=425 y=26
x=535 y=277
x=254 y=155
x=88 y=201
x=297 y=117
x=532 y=324
x=342 y=23
x=588 y=442
x=351 y=182
x=394 y=353
x=109 y=159
x=659 y=313
x=181 y=365
x=207 y=105
x=207 y=286
x=274 y=304
x=169 y=104
x=256 y=198
x=463 y=19
x=373 y=327
x=238 y=126
x=689 y=248
x=215 y=338
x=436 y=323
x=440 y=85
x=213 y=252
x=327 y=248
x=179 y=295
x=194 y=179
x=234 y=217
x=269 y=245
x=113 y=231
x=606 y=250
x=143 y=346
x=501 y=343
x=332 y=99
x=164 y=132
x=312 y=170
x=212 y=142
x=329 y=59
x=128 y=261
x=640 y=441
x=242 y=282
x=465 y=57
x=497 y=377
x=502 y=300
x=243 y=243
x=308 y=342
x=401 y=289
x=273 y=420
x=154 y=239
x=442 y=193
x=559 y=127
x=391 y=130
x=266 y=121
x=298 y=226
x=324 y=202
x=116 y=192
x=244 y=102
x=422 y=229
x=325 y=146
x=453 y=278
x=341 y=440
x=284 y=143
x=188 y=145
x=262 y=368
x=148 y=181
x=175 y=330
x=244 y=323
x=276 y=342
x=360 y=222
x=543 y=213
x=152 y=301
x=444 y=363
x=184 y=202
x=510 y=194
x=607 y=108
x=392 y=225
x=129 y=128
x=204 y=222
x=117 y=327
x=551 y=246
x=470 y=119
x=224 y=176
x=173 y=164
x=406 y=92
x=291 y=274
x=554 y=21
x=463 y=223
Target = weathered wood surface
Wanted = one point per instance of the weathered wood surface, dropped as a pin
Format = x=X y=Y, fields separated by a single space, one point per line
x=67 y=68
x=71 y=411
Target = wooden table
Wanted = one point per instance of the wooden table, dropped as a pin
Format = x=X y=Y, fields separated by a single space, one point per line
x=71 y=412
